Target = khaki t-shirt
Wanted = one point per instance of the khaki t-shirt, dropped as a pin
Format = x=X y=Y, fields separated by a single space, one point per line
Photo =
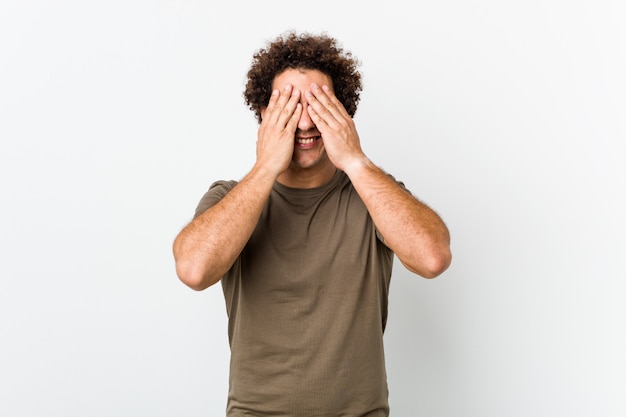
x=307 y=306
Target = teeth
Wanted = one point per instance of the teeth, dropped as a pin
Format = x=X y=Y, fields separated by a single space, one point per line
x=306 y=141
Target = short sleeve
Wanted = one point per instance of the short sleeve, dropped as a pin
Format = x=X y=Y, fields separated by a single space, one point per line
x=216 y=192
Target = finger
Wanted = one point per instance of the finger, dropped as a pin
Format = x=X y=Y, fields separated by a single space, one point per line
x=290 y=106
x=292 y=124
x=271 y=105
x=283 y=107
x=336 y=103
x=321 y=123
x=277 y=103
x=323 y=109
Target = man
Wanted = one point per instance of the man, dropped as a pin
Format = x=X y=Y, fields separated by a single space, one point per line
x=304 y=243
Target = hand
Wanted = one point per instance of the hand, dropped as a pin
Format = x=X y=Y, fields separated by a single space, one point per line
x=338 y=130
x=275 y=141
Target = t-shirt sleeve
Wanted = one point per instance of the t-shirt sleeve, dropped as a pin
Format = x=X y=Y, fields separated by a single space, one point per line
x=400 y=183
x=216 y=192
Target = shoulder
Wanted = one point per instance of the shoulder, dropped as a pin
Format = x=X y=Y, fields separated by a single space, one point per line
x=217 y=190
x=221 y=187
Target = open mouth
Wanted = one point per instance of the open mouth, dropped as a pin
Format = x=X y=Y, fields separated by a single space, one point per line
x=307 y=141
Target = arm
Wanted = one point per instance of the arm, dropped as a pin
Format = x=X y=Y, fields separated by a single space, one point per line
x=208 y=246
x=415 y=233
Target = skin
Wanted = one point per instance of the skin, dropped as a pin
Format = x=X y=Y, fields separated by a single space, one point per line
x=300 y=165
x=303 y=107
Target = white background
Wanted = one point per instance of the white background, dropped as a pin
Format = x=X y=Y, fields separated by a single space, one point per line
x=507 y=117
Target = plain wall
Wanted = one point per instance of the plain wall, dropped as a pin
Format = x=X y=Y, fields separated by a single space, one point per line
x=508 y=118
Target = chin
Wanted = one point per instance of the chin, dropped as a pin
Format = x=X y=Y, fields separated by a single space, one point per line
x=305 y=163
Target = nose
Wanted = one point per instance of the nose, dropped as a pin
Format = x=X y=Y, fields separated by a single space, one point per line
x=305 y=122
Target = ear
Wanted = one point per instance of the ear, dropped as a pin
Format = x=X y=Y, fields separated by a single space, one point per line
x=263 y=109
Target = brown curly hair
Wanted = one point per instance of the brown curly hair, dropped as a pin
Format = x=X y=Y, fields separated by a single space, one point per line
x=304 y=51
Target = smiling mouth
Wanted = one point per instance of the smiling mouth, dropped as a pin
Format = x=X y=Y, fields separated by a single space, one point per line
x=307 y=141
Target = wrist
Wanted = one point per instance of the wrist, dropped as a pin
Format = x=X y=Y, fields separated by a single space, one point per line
x=357 y=165
x=263 y=174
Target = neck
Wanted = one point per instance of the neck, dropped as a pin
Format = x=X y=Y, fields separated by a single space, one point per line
x=295 y=177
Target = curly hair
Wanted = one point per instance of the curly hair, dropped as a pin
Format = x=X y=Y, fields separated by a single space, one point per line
x=304 y=51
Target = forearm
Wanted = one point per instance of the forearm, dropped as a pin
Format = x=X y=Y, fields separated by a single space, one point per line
x=209 y=245
x=415 y=233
